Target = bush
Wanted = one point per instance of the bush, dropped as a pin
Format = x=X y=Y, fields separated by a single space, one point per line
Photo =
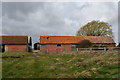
x=84 y=44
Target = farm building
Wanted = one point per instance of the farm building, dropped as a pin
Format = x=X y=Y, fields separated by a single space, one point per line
x=15 y=43
x=69 y=42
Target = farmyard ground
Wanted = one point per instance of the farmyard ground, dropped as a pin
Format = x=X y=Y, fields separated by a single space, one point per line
x=102 y=64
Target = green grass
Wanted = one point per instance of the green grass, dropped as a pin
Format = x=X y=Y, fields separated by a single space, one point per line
x=72 y=65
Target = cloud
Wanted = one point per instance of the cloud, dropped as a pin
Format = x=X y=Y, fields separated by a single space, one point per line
x=0 y=18
x=61 y=0
x=119 y=22
x=54 y=18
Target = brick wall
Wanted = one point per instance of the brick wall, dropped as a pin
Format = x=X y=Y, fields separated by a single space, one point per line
x=15 y=48
x=107 y=45
x=54 y=47
x=1 y=48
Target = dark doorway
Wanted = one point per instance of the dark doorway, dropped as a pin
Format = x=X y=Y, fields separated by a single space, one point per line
x=2 y=48
x=36 y=46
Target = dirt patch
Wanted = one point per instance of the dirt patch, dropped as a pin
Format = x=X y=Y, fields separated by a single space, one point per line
x=12 y=56
x=75 y=59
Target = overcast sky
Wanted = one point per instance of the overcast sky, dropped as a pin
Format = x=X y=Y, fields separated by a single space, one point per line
x=119 y=22
x=55 y=18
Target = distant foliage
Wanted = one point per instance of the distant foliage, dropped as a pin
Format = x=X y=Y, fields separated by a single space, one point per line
x=84 y=44
x=95 y=28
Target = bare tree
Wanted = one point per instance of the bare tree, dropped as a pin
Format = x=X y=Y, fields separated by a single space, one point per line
x=95 y=28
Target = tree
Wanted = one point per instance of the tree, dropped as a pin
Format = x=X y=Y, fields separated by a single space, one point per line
x=95 y=28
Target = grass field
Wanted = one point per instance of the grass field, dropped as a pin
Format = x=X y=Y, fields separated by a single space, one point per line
x=62 y=65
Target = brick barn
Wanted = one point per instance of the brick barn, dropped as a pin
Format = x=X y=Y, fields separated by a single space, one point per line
x=69 y=42
x=15 y=43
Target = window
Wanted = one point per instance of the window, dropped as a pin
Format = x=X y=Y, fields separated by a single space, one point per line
x=58 y=45
x=46 y=37
x=43 y=45
x=73 y=46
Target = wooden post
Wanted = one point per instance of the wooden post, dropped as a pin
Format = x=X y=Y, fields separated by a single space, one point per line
x=47 y=50
x=77 y=49
x=104 y=48
x=90 y=49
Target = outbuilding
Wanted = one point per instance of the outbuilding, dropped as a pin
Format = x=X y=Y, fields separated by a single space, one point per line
x=69 y=42
x=15 y=43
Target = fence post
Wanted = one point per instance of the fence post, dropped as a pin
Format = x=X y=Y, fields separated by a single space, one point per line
x=104 y=48
x=90 y=49
x=47 y=50
x=77 y=49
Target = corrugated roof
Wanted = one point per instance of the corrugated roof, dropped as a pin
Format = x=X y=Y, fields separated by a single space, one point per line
x=13 y=39
x=75 y=39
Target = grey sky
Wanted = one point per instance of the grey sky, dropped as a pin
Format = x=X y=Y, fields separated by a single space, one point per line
x=50 y=18
x=119 y=22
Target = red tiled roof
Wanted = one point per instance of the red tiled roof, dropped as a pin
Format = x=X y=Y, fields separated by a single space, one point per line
x=75 y=39
x=13 y=39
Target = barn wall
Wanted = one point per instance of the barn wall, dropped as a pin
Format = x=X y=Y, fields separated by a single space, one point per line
x=104 y=44
x=54 y=47
x=1 y=47
x=15 y=48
